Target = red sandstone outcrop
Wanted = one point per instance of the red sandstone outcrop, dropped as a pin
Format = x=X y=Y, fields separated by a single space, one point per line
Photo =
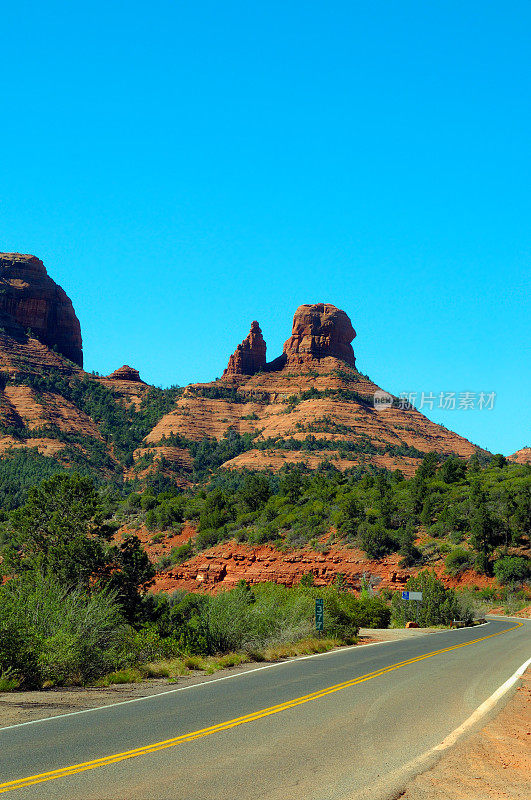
x=250 y=356
x=222 y=566
x=125 y=373
x=319 y=331
x=29 y=298
x=522 y=456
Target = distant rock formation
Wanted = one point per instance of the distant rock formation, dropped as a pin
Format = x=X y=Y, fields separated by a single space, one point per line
x=30 y=299
x=320 y=330
x=125 y=373
x=250 y=356
x=522 y=456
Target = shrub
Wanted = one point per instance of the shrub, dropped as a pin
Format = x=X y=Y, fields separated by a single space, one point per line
x=458 y=561
x=181 y=552
x=512 y=570
x=440 y=606
x=55 y=636
x=376 y=540
x=9 y=680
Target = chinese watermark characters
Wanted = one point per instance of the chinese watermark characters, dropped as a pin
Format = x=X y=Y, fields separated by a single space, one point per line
x=447 y=401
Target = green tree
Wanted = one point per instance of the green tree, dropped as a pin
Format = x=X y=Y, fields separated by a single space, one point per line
x=409 y=552
x=512 y=570
x=255 y=492
x=57 y=531
x=428 y=466
x=376 y=540
x=291 y=484
x=485 y=531
x=129 y=574
x=453 y=470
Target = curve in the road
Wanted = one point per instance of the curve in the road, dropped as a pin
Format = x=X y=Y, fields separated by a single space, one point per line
x=162 y=745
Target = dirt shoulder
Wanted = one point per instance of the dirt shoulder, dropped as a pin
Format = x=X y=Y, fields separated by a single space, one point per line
x=21 y=707
x=493 y=764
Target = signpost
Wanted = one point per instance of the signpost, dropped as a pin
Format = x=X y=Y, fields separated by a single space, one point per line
x=319 y=613
x=412 y=596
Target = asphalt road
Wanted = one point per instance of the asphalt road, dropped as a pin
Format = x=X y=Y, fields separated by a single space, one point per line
x=326 y=727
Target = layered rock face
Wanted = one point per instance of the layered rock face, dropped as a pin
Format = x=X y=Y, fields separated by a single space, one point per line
x=320 y=330
x=250 y=356
x=29 y=298
x=125 y=373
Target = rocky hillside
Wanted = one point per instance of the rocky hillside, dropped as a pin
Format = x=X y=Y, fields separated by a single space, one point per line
x=522 y=456
x=340 y=518
x=306 y=406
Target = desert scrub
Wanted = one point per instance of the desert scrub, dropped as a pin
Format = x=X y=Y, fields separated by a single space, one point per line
x=208 y=665
x=126 y=675
x=308 y=646
x=49 y=635
x=9 y=680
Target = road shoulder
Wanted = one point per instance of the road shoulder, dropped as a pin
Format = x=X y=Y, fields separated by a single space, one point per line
x=492 y=764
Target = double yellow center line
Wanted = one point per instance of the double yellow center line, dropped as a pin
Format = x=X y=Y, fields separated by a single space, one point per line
x=64 y=772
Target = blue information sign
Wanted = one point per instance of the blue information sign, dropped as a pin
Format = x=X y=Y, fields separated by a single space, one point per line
x=405 y=595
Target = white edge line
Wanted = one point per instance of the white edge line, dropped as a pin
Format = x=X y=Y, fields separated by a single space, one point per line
x=400 y=779
x=225 y=678
x=483 y=709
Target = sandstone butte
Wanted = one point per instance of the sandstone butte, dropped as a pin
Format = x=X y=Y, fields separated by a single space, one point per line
x=313 y=393
x=30 y=299
x=40 y=334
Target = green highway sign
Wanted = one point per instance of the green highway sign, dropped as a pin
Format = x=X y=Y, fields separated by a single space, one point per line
x=319 y=613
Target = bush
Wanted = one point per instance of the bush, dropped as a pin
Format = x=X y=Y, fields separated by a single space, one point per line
x=458 y=561
x=55 y=636
x=181 y=553
x=356 y=612
x=376 y=540
x=242 y=619
x=512 y=570
x=440 y=606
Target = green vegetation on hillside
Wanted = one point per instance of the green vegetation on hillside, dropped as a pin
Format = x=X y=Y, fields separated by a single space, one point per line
x=472 y=515
x=75 y=604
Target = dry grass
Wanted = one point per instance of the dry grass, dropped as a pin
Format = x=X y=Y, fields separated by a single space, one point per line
x=177 y=667
x=305 y=647
x=127 y=675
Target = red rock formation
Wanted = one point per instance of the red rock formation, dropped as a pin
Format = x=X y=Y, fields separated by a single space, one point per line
x=522 y=456
x=222 y=566
x=125 y=373
x=29 y=298
x=250 y=356
x=319 y=331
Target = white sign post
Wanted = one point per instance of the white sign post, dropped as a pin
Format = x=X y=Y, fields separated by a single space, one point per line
x=412 y=596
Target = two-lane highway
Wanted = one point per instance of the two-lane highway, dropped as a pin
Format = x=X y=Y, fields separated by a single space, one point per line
x=320 y=728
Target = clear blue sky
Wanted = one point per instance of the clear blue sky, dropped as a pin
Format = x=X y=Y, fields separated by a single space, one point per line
x=185 y=167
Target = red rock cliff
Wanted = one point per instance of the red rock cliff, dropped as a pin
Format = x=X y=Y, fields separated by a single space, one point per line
x=250 y=356
x=320 y=330
x=31 y=299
